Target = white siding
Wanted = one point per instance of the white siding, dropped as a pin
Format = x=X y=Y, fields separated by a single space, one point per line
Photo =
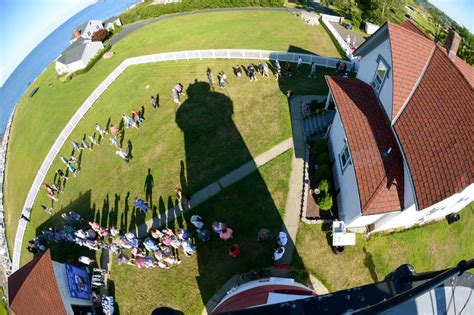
x=61 y=67
x=90 y=51
x=92 y=27
x=76 y=65
x=367 y=67
x=348 y=198
x=365 y=220
x=410 y=216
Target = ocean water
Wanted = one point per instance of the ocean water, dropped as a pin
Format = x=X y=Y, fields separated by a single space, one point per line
x=48 y=50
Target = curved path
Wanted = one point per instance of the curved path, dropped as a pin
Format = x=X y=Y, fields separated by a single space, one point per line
x=172 y=56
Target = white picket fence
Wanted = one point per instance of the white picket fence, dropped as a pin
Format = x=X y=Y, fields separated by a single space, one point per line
x=171 y=56
x=327 y=19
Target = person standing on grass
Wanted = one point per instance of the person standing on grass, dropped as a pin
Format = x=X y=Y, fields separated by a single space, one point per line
x=137 y=117
x=175 y=96
x=153 y=102
x=73 y=159
x=114 y=130
x=312 y=74
x=101 y=130
x=224 y=77
x=85 y=260
x=277 y=69
x=48 y=210
x=260 y=68
x=265 y=70
x=123 y=155
x=288 y=69
x=220 y=77
x=86 y=145
x=114 y=142
x=61 y=174
x=209 y=76
x=92 y=139
x=237 y=71
x=299 y=65
x=76 y=146
x=72 y=169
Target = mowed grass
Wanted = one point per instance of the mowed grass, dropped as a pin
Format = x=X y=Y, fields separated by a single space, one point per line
x=246 y=207
x=39 y=120
x=431 y=247
x=209 y=135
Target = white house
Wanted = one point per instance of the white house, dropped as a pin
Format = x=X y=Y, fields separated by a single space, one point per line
x=110 y=23
x=77 y=55
x=402 y=138
x=370 y=28
x=86 y=30
x=44 y=286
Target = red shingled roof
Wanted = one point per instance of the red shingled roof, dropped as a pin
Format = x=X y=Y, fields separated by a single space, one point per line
x=33 y=288
x=466 y=70
x=436 y=131
x=409 y=25
x=369 y=135
x=411 y=51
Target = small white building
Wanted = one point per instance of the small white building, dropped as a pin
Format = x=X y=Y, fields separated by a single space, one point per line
x=77 y=55
x=110 y=23
x=44 y=286
x=402 y=138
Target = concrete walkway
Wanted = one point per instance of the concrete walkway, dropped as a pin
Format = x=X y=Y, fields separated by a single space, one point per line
x=215 y=187
x=294 y=201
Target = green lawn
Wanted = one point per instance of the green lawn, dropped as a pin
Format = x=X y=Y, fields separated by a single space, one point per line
x=207 y=136
x=431 y=247
x=40 y=119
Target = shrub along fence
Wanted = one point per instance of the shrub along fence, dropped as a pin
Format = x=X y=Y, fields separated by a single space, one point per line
x=171 y=56
x=146 y=10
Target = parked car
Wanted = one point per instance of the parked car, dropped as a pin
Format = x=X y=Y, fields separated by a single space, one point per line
x=348 y=26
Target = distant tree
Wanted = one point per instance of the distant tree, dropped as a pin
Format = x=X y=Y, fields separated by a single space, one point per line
x=99 y=35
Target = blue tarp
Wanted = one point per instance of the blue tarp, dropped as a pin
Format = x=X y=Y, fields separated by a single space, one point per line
x=78 y=281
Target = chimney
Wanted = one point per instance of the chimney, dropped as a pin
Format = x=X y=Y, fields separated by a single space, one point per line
x=452 y=43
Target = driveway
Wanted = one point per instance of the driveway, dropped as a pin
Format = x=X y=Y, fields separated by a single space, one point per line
x=344 y=32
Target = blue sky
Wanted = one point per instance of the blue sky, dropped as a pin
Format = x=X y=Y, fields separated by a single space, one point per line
x=25 y=23
x=462 y=11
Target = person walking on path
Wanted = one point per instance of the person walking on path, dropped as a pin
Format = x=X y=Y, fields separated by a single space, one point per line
x=154 y=102
x=101 y=130
x=61 y=174
x=312 y=74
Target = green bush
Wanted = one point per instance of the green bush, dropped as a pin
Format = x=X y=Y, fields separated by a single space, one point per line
x=324 y=158
x=145 y=11
x=94 y=59
x=323 y=172
x=325 y=202
x=321 y=146
x=324 y=186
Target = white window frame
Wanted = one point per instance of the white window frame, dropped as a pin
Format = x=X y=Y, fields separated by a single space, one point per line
x=345 y=154
x=378 y=82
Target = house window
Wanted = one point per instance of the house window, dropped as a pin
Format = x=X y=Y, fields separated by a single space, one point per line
x=89 y=33
x=380 y=74
x=345 y=157
x=97 y=26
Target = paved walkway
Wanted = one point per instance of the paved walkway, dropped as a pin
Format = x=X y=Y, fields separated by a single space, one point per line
x=215 y=187
x=294 y=201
